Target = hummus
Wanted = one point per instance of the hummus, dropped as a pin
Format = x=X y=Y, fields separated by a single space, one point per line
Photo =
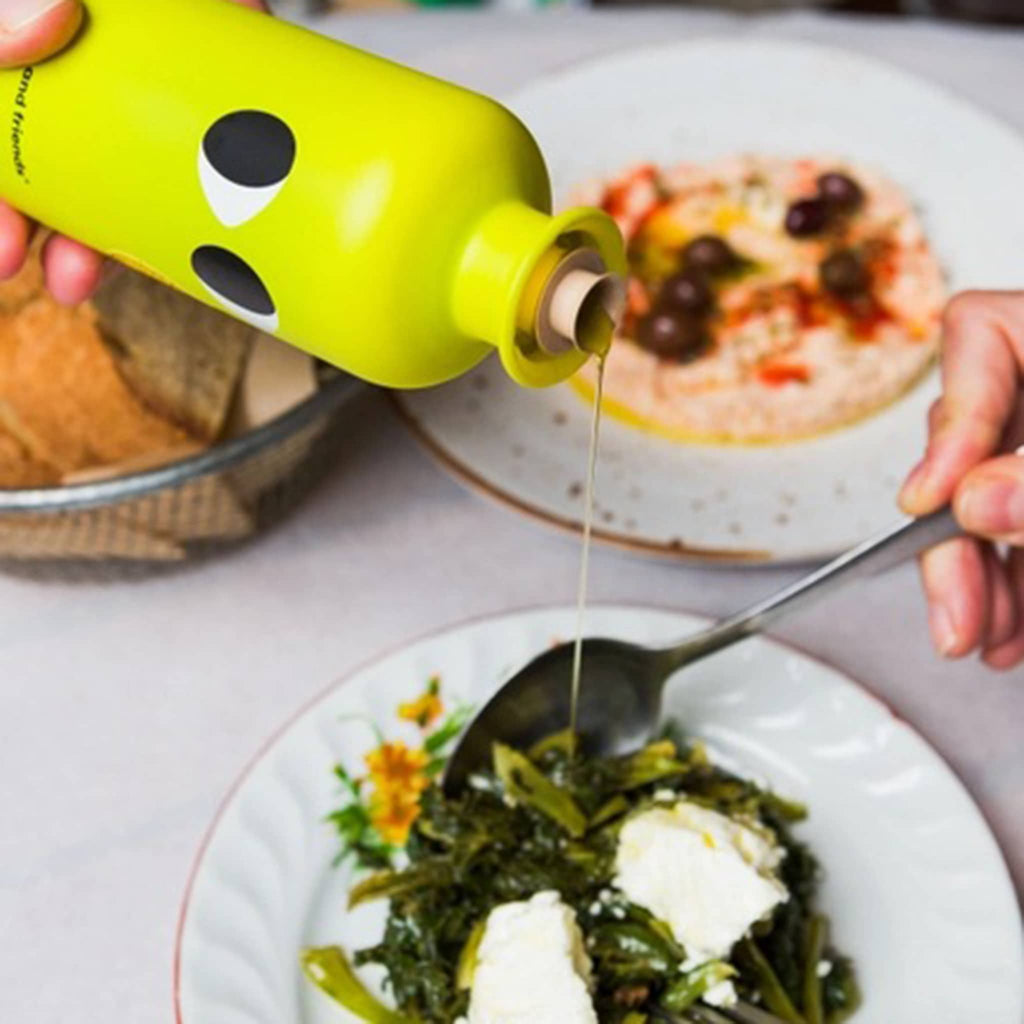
x=783 y=355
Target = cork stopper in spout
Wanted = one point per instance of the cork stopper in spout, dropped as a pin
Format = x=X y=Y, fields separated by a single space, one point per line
x=581 y=305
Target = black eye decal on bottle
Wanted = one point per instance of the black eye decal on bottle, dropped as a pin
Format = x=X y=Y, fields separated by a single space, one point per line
x=235 y=285
x=244 y=161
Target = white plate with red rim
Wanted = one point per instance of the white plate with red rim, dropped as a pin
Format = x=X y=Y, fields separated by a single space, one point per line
x=698 y=100
x=915 y=885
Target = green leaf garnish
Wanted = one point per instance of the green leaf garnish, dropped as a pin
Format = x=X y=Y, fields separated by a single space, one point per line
x=329 y=969
x=688 y=988
x=526 y=784
x=388 y=884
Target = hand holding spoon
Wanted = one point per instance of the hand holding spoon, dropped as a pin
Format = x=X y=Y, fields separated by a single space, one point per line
x=620 y=698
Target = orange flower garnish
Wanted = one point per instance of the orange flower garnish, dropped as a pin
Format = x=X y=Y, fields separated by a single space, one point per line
x=394 y=767
x=393 y=813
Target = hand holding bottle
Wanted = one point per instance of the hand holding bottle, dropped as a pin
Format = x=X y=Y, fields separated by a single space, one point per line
x=31 y=31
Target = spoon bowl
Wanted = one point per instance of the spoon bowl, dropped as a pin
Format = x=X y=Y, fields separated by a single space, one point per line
x=620 y=696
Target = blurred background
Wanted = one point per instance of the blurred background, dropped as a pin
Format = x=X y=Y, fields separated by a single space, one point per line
x=996 y=11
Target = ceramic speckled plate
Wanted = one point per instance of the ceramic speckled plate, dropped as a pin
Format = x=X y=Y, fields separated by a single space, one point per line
x=792 y=502
x=916 y=887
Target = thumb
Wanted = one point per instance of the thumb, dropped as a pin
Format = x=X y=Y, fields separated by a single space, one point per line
x=32 y=30
x=990 y=500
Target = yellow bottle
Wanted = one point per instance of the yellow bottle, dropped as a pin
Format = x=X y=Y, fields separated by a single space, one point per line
x=389 y=223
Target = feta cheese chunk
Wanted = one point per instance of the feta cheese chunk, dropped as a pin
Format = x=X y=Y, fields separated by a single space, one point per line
x=722 y=994
x=531 y=966
x=709 y=878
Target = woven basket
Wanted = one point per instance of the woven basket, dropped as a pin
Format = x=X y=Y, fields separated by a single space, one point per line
x=140 y=524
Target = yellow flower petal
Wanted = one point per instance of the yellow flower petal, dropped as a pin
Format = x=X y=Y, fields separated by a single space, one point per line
x=393 y=814
x=424 y=711
x=394 y=766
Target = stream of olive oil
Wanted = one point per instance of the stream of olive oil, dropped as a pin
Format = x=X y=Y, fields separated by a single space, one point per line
x=588 y=527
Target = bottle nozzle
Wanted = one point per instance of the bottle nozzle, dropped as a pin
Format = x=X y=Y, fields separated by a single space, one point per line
x=581 y=305
x=546 y=290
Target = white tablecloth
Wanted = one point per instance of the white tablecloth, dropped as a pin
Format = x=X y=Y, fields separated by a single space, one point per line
x=127 y=710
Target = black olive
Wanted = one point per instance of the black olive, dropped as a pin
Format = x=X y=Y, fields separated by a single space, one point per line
x=843 y=273
x=672 y=334
x=687 y=291
x=840 y=191
x=711 y=254
x=807 y=217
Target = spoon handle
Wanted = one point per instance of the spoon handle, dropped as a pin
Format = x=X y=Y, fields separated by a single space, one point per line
x=883 y=551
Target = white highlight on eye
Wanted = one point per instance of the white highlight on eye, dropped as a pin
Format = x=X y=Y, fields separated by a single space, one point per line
x=233 y=204
x=268 y=322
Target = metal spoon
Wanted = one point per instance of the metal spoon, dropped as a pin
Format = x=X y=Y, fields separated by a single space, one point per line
x=620 y=695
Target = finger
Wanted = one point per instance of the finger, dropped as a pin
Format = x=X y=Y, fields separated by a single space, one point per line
x=935 y=415
x=1014 y=436
x=956 y=586
x=1011 y=653
x=73 y=270
x=989 y=501
x=15 y=233
x=1004 y=611
x=980 y=373
x=31 y=30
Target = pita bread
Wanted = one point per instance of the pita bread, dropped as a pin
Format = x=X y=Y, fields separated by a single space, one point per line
x=18 y=469
x=180 y=357
x=60 y=386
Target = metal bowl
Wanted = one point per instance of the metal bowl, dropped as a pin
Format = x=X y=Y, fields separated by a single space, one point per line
x=149 y=521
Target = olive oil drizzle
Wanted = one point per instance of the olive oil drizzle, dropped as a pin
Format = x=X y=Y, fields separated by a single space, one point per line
x=588 y=527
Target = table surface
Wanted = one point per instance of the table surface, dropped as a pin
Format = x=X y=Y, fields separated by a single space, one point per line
x=129 y=709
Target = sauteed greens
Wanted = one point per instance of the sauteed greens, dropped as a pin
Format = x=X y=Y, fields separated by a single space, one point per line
x=548 y=820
